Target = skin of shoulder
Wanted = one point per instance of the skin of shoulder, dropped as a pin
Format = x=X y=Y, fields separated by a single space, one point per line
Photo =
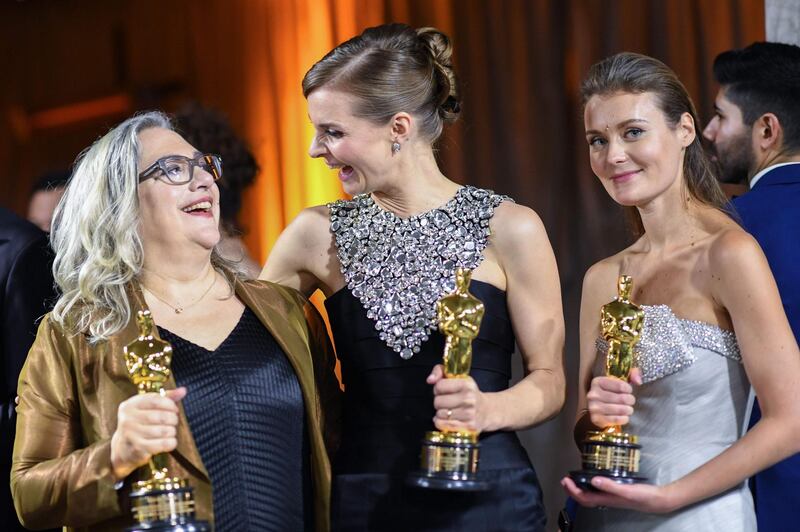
x=523 y=252
x=301 y=257
x=515 y=225
x=733 y=255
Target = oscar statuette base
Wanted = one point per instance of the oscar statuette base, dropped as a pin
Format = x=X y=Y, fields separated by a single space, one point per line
x=613 y=455
x=449 y=461
x=164 y=505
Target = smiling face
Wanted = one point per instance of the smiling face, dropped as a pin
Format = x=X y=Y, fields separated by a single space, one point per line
x=175 y=217
x=634 y=152
x=731 y=140
x=358 y=148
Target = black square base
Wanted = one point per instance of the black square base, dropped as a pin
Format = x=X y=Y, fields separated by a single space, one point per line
x=420 y=480
x=187 y=526
x=583 y=479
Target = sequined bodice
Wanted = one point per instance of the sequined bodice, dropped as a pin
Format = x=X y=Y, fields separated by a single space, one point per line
x=667 y=343
x=399 y=267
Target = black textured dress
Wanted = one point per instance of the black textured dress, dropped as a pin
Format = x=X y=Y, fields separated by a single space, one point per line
x=245 y=409
x=388 y=407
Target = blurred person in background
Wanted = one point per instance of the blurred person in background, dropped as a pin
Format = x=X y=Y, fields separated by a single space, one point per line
x=26 y=294
x=755 y=134
x=210 y=131
x=45 y=196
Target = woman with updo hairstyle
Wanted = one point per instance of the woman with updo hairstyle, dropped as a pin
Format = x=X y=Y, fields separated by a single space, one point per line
x=713 y=321
x=379 y=102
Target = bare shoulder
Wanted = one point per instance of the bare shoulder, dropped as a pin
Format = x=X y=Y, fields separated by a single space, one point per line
x=312 y=221
x=297 y=257
x=600 y=280
x=515 y=225
x=733 y=248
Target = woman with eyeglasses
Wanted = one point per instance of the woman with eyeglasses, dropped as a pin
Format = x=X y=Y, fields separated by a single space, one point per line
x=251 y=364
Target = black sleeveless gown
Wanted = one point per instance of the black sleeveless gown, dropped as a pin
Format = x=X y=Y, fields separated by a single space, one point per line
x=388 y=407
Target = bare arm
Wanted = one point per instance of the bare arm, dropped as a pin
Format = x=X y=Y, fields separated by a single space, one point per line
x=302 y=253
x=744 y=285
x=534 y=303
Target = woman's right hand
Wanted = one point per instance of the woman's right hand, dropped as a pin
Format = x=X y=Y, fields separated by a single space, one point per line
x=146 y=425
x=610 y=400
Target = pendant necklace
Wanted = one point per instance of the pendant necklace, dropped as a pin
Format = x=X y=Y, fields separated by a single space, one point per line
x=179 y=308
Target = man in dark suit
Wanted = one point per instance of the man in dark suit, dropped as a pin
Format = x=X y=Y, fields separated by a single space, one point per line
x=26 y=294
x=756 y=137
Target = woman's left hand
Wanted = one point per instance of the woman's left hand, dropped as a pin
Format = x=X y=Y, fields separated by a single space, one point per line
x=458 y=402
x=640 y=497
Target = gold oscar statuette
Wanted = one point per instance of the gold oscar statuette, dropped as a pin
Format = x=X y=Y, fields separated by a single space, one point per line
x=612 y=452
x=159 y=502
x=449 y=458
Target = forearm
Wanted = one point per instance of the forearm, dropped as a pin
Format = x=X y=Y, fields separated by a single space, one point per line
x=768 y=442
x=61 y=491
x=533 y=400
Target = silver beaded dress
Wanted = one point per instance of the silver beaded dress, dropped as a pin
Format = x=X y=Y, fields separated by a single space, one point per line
x=692 y=406
x=384 y=328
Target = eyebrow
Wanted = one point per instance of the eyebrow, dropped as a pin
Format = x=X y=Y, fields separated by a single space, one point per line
x=328 y=125
x=619 y=126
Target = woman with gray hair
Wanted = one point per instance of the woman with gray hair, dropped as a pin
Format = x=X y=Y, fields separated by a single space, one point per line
x=136 y=230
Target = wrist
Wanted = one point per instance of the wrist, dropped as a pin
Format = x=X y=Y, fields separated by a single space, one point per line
x=494 y=418
x=673 y=497
x=119 y=470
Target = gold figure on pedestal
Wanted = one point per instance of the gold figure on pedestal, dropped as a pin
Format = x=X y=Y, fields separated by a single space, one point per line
x=449 y=458
x=611 y=452
x=159 y=502
x=459 y=315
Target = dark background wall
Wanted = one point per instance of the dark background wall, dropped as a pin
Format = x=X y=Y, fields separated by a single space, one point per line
x=73 y=68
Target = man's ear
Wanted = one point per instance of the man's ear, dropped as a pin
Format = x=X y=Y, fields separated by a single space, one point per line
x=768 y=133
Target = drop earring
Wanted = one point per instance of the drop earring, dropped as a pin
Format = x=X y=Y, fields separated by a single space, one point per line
x=395 y=147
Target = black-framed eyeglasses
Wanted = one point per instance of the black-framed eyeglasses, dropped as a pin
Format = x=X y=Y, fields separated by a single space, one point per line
x=179 y=170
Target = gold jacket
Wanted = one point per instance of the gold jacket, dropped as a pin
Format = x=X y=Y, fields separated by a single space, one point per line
x=69 y=392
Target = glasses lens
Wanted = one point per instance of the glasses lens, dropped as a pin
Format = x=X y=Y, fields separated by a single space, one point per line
x=177 y=170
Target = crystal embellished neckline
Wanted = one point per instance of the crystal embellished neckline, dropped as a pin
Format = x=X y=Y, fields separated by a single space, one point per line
x=444 y=207
x=399 y=267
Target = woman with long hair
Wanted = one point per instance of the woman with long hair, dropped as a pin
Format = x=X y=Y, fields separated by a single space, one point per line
x=254 y=410
x=713 y=325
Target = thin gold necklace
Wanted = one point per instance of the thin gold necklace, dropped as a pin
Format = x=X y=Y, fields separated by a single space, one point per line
x=178 y=308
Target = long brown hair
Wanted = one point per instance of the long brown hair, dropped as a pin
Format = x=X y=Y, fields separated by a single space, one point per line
x=393 y=68
x=628 y=72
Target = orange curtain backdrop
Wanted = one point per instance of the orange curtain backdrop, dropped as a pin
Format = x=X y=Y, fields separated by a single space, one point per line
x=254 y=56
x=251 y=57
